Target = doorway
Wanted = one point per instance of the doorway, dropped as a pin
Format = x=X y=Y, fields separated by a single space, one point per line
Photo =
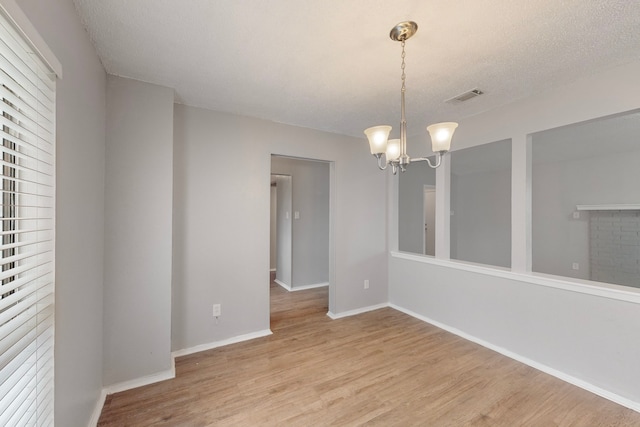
x=301 y=204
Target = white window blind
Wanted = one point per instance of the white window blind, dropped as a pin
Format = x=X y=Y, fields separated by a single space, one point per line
x=27 y=187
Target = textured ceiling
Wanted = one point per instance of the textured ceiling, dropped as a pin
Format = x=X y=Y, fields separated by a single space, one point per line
x=330 y=65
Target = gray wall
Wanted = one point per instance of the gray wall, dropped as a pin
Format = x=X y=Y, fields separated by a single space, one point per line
x=481 y=220
x=80 y=123
x=310 y=197
x=138 y=226
x=481 y=204
x=214 y=220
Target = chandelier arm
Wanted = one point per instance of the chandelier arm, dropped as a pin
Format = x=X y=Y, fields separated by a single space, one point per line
x=426 y=159
x=380 y=162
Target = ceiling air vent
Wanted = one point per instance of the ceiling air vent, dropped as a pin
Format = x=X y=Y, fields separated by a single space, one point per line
x=465 y=96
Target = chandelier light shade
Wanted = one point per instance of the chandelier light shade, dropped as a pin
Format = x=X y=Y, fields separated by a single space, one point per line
x=441 y=134
x=378 y=136
x=395 y=150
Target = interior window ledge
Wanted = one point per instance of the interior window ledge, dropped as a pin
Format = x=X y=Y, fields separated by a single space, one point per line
x=605 y=290
x=609 y=207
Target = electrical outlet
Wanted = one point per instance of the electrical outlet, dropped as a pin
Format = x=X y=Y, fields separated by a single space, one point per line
x=366 y=284
x=575 y=266
x=217 y=310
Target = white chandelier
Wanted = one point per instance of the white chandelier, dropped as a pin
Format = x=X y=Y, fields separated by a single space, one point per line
x=395 y=150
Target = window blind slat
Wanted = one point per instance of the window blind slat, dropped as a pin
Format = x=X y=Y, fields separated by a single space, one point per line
x=24 y=121
x=26 y=110
x=26 y=134
x=27 y=98
x=34 y=174
x=24 y=282
x=44 y=188
x=11 y=385
x=21 y=382
x=30 y=298
x=40 y=144
x=27 y=154
x=22 y=85
x=25 y=255
x=24 y=193
x=22 y=155
x=24 y=244
x=12 y=331
x=25 y=77
x=24 y=66
x=43 y=230
x=25 y=411
x=25 y=361
x=23 y=400
x=17 y=349
x=17 y=308
x=45 y=120
x=14 y=40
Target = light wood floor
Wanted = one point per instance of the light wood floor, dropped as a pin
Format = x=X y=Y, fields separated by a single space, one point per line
x=378 y=368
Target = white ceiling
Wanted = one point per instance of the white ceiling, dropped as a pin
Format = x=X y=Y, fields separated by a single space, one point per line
x=330 y=65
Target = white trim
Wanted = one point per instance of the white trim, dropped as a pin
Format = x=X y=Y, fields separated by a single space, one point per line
x=301 y=288
x=605 y=290
x=611 y=207
x=97 y=410
x=628 y=403
x=335 y=316
x=20 y=21
x=146 y=380
x=216 y=344
x=312 y=286
x=284 y=285
x=272 y=270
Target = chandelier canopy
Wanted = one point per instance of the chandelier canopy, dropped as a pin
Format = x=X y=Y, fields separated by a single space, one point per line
x=395 y=150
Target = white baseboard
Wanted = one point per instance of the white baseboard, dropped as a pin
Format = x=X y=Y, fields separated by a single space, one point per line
x=628 y=403
x=357 y=311
x=215 y=344
x=139 y=382
x=97 y=410
x=284 y=285
x=312 y=286
x=303 y=287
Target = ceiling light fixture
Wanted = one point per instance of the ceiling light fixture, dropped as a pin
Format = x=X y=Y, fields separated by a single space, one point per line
x=395 y=150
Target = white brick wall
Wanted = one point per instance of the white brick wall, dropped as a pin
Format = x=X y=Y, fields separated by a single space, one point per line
x=615 y=247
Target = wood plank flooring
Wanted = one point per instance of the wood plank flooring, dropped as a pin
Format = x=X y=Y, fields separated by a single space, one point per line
x=381 y=368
